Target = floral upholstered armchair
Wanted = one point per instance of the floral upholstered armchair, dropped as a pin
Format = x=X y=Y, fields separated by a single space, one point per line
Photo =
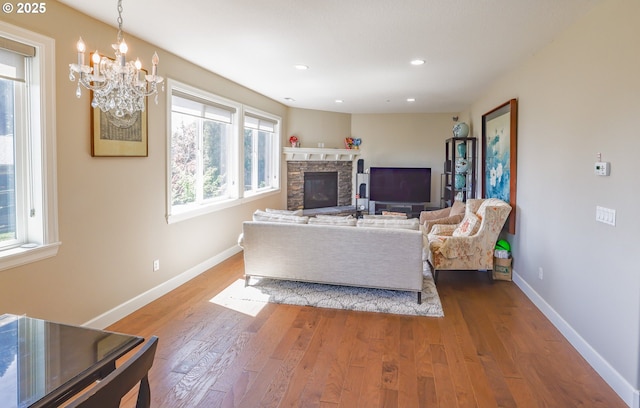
x=470 y=244
x=448 y=215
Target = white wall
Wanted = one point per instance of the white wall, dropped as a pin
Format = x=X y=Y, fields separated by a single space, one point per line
x=578 y=97
x=313 y=127
x=407 y=140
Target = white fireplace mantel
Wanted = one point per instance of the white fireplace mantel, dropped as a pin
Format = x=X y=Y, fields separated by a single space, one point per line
x=319 y=154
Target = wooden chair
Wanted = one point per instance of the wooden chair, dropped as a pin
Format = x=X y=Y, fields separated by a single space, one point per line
x=110 y=390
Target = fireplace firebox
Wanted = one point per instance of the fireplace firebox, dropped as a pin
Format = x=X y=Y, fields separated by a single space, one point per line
x=320 y=189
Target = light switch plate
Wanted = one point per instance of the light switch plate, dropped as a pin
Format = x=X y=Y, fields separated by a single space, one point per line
x=602 y=168
x=606 y=215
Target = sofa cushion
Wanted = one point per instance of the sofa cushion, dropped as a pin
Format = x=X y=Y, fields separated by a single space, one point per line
x=384 y=217
x=276 y=217
x=411 y=223
x=334 y=217
x=286 y=212
x=346 y=221
x=470 y=225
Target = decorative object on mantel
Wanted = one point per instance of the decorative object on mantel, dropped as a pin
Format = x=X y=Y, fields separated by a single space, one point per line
x=352 y=143
x=119 y=87
x=294 y=141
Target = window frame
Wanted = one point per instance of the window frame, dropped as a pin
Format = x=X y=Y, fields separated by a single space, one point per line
x=275 y=153
x=236 y=163
x=42 y=229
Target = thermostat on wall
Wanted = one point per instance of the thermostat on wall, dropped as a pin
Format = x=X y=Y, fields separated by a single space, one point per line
x=602 y=168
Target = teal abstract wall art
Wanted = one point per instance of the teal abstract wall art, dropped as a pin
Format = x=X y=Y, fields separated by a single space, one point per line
x=499 y=137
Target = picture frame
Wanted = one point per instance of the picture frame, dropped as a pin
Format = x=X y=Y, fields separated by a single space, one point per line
x=116 y=137
x=113 y=136
x=499 y=153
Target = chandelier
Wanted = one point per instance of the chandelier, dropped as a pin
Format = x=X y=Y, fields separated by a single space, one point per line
x=119 y=86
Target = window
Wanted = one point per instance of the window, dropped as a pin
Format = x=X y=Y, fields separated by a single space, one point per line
x=28 y=218
x=201 y=150
x=210 y=152
x=260 y=144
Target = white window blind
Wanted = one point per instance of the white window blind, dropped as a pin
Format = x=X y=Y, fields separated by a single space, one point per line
x=12 y=58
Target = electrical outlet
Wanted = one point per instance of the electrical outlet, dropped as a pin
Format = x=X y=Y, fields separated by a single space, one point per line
x=156 y=265
x=540 y=272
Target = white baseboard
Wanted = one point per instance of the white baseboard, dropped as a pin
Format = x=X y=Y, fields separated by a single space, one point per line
x=130 y=306
x=620 y=385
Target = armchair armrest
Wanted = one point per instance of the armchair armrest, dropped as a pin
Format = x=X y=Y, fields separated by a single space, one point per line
x=441 y=230
x=452 y=219
x=434 y=214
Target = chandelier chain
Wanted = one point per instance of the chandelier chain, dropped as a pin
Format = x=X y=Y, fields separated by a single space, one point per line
x=120 y=86
x=120 y=35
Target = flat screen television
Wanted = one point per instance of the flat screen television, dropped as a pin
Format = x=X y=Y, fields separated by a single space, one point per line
x=400 y=184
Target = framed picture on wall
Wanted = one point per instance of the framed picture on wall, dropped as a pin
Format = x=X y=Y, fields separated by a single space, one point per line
x=499 y=148
x=119 y=135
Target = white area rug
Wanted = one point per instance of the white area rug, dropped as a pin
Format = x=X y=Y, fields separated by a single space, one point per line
x=263 y=290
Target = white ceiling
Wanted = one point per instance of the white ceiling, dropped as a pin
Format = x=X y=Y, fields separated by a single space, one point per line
x=357 y=50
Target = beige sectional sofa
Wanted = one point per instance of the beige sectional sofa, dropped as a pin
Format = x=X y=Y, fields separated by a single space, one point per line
x=384 y=254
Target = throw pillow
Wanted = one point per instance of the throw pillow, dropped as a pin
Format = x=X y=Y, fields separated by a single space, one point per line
x=469 y=226
x=275 y=217
x=401 y=214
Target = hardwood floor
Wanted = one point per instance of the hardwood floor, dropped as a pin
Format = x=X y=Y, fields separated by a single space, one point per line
x=493 y=348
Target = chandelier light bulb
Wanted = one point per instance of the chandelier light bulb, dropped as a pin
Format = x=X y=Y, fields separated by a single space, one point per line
x=80 y=45
x=123 y=48
x=154 y=61
x=81 y=48
x=138 y=63
x=96 y=63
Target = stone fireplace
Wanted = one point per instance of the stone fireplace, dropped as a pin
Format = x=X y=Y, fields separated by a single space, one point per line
x=337 y=163
x=320 y=189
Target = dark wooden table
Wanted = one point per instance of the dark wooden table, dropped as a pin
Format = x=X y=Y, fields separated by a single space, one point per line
x=43 y=363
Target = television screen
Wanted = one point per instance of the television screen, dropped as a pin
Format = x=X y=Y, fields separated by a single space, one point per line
x=400 y=184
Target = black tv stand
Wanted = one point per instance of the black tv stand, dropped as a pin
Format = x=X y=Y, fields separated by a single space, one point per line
x=412 y=210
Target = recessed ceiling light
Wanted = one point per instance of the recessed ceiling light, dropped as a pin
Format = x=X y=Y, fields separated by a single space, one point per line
x=339 y=101
x=417 y=61
x=301 y=67
x=288 y=99
x=411 y=99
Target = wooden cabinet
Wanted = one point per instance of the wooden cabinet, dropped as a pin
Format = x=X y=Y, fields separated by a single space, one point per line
x=460 y=167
